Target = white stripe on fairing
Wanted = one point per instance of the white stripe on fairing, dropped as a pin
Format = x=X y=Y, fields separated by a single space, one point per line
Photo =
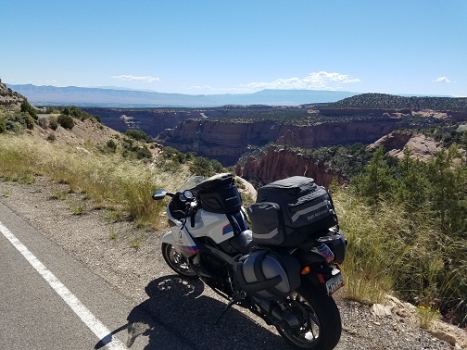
x=96 y=326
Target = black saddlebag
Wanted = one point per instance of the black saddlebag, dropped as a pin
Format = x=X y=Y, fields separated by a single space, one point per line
x=218 y=194
x=288 y=211
x=268 y=275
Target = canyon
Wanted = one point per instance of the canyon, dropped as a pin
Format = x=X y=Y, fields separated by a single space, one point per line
x=227 y=141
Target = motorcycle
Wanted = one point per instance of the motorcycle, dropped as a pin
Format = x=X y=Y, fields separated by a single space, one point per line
x=285 y=270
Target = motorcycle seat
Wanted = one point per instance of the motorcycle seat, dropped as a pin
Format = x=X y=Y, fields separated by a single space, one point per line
x=242 y=242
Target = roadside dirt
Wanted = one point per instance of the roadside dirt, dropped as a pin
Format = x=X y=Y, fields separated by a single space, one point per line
x=129 y=258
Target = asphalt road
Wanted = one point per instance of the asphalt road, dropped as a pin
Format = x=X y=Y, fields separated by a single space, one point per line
x=50 y=301
x=36 y=311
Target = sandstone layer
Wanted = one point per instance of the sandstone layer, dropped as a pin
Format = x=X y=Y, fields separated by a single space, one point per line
x=227 y=141
x=422 y=147
x=276 y=164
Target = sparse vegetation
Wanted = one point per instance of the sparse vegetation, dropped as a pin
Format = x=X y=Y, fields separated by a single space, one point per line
x=427 y=315
x=59 y=195
x=113 y=183
x=29 y=109
x=76 y=112
x=79 y=210
x=407 y=232
x=385 y=101
x=138 y=135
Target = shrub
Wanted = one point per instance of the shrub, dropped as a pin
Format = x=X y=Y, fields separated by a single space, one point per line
x=138 y=135
x=42 y=123
x=27 y=108
x=2 y=125
x=51 y=137
x=76 y=112
x=66 y=121
x=53 y=123
x=143 y=153
x=202 y=166
x=29 y=121
x=112 y=145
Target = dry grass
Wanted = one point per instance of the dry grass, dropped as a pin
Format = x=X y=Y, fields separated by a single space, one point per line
x=390 y=251
x=112 y=182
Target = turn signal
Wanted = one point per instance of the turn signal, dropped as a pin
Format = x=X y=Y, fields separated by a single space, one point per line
x=306 y=270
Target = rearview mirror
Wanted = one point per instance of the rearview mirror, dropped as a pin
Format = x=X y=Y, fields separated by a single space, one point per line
x=159 y=195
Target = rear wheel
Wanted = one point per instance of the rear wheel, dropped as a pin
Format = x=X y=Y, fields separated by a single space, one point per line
x=177 y=261
x=320 y=322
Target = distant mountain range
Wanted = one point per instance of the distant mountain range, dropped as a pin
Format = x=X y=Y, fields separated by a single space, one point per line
x=116 y=97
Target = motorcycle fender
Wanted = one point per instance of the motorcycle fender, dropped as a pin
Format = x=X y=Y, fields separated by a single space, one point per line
x=169 y=238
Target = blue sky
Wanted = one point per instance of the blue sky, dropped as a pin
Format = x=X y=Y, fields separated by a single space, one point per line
x=207 y=47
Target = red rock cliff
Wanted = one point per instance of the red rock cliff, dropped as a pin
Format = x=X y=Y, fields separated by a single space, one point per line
x=227 y=141
x=276 y=164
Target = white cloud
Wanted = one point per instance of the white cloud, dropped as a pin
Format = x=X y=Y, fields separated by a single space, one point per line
x=314 y=81
x=442 y=80
x=146 y=79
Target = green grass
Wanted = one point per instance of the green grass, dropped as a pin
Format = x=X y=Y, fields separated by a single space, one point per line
x=78 y=210
x=59 y=195
x=391 y=251
x=112 y=215
x=6 y=193
x=427 y=316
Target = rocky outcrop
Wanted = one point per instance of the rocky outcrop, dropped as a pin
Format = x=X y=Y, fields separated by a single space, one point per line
x=8 y=98
x=278 y=164
x=422 y=147
x=155 y=120
x=151 y=121
x=227 y=141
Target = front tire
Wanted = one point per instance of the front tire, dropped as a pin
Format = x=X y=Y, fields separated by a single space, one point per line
x=320 y=322
x=177 y=262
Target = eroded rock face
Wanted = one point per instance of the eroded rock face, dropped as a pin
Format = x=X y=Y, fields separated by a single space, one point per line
x=276 y=164
x=227 y=141
x=151 y=121
x=9 y=98
x=422 y=147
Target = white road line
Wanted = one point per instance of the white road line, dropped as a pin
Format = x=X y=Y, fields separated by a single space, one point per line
x=96 y=326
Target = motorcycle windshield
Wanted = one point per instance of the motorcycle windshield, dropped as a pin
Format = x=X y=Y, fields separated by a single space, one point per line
x=191 y=183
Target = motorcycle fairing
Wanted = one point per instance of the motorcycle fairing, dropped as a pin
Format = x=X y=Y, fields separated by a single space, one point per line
x=227 y=229
x=182 y=242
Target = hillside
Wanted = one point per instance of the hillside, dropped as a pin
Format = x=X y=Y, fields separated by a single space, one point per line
x=8 y=98
x=385 y=101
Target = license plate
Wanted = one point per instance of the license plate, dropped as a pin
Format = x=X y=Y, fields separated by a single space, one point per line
x=334 y=284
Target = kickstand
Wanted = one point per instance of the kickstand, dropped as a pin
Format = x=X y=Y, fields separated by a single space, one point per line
x=229 y=305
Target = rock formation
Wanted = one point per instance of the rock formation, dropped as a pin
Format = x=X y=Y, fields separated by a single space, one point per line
x=227 y=141
x=421 y=146
x=8 y=98
x=278 y=164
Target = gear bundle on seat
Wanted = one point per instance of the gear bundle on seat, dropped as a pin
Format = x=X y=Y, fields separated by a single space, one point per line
x=288 y=211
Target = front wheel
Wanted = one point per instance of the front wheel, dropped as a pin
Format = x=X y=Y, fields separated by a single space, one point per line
x=320 y=322
x=177 y=261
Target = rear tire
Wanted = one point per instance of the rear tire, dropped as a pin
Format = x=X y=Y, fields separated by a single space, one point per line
x=320 y=327
x=177 y=262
